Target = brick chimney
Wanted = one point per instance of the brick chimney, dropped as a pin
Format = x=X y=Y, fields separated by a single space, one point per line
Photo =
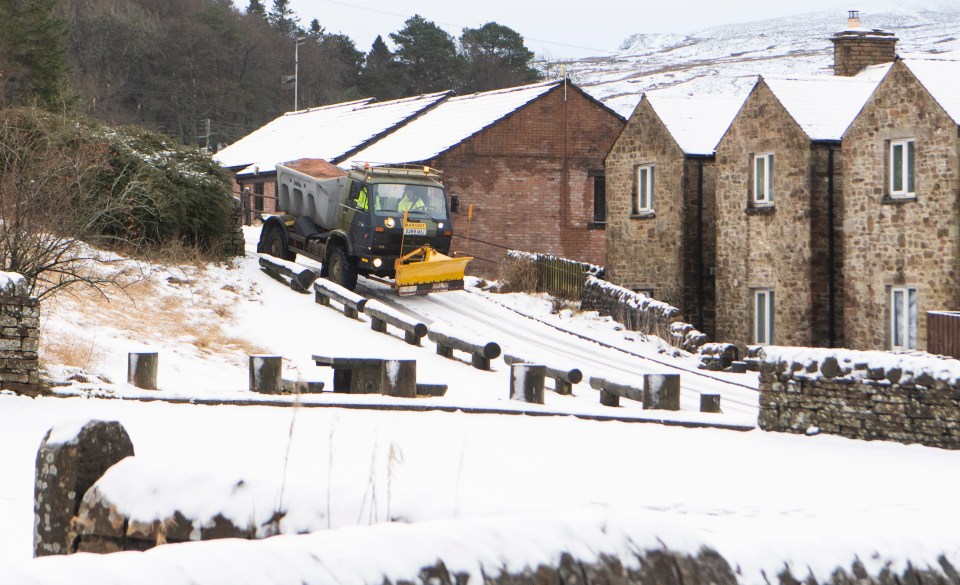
x=856 y=47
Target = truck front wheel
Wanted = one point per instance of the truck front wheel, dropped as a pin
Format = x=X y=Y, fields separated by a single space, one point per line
x=272 y=243
x=343 y=269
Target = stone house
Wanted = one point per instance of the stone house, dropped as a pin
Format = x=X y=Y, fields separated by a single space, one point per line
x=528 y=161
x=661 y=180
x=901 y=214
x=779 y=211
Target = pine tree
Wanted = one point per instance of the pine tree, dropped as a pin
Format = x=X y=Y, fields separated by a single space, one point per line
x=382 y=76
x=255 y=8
x=429 y=56
x=283 y=17
x=496 y=57
x=36 y=40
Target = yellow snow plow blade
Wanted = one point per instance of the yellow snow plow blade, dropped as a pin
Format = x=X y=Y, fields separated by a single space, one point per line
x=425 y=270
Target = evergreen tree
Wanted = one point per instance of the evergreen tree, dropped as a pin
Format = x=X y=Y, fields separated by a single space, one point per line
x=316 y=31
x=429 y=57
x=255 y=8
x=283 y=17
x=35 y=47
x=382 y=76
x=496 y=58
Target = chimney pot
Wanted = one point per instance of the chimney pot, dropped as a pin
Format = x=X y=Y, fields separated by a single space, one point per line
x=853 y=19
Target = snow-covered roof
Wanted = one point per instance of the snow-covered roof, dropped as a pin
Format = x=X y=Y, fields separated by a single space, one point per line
x=449 y=124
x=696 y=122
x=327 y=132
x=940 y=77
x=825 y=106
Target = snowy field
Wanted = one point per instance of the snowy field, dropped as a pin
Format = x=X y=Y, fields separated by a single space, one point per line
x=482 y=491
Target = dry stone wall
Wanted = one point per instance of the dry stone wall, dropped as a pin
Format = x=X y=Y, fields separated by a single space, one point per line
x=909 y=398
x=19 y=336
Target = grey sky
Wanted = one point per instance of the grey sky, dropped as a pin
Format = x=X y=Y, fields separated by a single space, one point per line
x=558 y=29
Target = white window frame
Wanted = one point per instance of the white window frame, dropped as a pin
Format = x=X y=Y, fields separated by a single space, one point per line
x=904 y=308
x=763 y=316
x=645 y=184
x=906 y=166
x=762 y=181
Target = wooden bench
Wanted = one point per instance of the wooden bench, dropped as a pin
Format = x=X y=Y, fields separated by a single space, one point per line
x=325 y=291
x=381 y=315
x=372 y=375
x=656 y=392
x=481 y=352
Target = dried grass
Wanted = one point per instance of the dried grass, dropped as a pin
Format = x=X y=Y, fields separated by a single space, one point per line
x=517 y=275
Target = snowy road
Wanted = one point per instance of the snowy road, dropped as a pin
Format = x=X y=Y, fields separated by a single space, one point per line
x=538 y=341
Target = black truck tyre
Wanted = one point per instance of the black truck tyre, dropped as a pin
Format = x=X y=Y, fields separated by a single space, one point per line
x=343 y=269
x=274 y=243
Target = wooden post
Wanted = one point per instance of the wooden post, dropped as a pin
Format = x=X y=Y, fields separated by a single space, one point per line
x=378 y=325
x=661 y=391
x=265 y=373
x=710 y=403
x=142 y=369
x=609 y=398
x=399 y=378
x=526 y=383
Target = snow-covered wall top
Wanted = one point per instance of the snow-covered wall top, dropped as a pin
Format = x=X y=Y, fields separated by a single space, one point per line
x=904 y=368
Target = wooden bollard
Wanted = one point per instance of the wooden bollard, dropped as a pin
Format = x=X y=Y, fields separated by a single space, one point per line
x=265 y=373
x=661 y=392
x=710 y=403
x=142 y=369
x=526 y=383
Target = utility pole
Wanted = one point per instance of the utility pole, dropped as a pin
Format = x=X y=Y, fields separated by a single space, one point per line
x=296 y=73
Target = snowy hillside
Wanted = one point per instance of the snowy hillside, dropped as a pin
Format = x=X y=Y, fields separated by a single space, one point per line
x=727 y=58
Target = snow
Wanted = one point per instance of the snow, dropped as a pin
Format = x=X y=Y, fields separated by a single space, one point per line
x=447 y=125
x=824 y=107
x=480 y=491
x=940 y=77
x=327 y=132
x=13 y=284
x=858 y=364
x=696 y=122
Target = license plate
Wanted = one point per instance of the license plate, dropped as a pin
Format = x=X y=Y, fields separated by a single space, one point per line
x=415 y=229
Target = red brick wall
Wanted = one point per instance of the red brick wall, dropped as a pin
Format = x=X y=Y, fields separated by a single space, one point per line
x=527 y=178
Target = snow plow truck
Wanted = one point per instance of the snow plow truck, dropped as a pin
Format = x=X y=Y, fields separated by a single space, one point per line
x=381 y=222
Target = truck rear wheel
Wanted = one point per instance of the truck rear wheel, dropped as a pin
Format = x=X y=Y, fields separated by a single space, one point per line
x=343 y=269
x=273 y=243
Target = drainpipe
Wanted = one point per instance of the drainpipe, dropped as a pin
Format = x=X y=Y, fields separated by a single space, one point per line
x=701 y=289
x=831 y=253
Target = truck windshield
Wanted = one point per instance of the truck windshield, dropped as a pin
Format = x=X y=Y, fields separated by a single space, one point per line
x=392 y=199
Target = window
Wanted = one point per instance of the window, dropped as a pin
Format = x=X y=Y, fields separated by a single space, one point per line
x=644 y=189
x=599 y=197
x=903 y=317
x=902 y=155
x=763 y=317
x=258 y=197
x=763 y=179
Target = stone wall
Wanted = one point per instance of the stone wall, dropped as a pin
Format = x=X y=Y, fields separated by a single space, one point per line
x=19 y=336
x=659 y=250
x=909 y=398
x=639 y=312
x=765 y=247
x=892 y=242
x=528 y=177
x=235 y=244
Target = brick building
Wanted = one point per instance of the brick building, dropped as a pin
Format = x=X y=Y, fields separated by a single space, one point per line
x=901 y=210
x=529 y=160
x=661 y=180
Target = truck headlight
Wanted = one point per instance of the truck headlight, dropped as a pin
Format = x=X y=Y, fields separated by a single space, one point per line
x=440 y=226
x=377 y=262
x=389 y=222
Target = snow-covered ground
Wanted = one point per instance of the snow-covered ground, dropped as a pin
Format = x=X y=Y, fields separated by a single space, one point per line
x=474 y=489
